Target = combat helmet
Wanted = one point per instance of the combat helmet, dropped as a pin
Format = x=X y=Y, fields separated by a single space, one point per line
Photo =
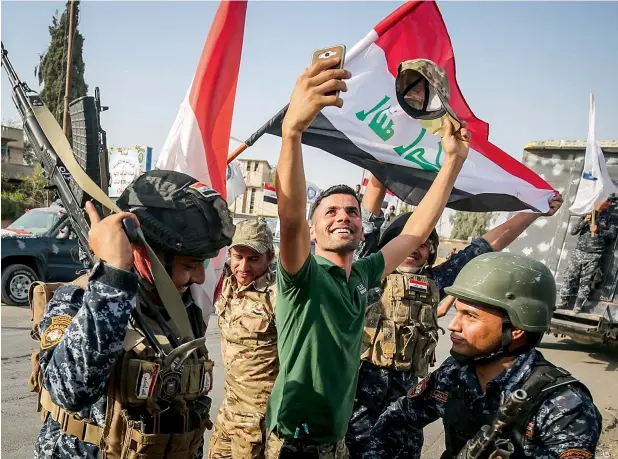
x=523 y=288
x=179 y=215
x=395 y=228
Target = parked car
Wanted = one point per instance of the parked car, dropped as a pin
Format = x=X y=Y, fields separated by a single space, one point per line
x=39 y=245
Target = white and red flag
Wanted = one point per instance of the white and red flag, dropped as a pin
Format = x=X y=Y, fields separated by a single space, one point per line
x=198 y=142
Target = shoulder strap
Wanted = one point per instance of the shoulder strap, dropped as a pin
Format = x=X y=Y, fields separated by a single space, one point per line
x=544 y=379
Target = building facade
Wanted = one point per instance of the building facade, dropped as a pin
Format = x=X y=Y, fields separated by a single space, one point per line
x=256 y=173
x=13 y=166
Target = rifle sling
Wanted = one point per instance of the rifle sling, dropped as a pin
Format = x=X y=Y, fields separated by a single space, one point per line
x=167 y=291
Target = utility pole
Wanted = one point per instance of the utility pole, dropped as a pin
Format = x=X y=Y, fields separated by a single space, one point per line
x=67 y=90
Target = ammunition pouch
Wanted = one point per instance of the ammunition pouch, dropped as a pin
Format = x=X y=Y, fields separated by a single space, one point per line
x=401 y=330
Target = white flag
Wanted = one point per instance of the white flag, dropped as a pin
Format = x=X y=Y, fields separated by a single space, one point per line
x=312 y=192
x=595 y=186
x=235 y=182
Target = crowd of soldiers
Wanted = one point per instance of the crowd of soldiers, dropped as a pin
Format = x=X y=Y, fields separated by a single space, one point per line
x=327 y=355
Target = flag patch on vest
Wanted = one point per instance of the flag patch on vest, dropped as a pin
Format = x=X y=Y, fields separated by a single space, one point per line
x=146 y=380
x=530 y=430
x=419 y=388
x=416 y=285
x=439 y=395
x=258 y=311
x=575 y=454
x=54 y=333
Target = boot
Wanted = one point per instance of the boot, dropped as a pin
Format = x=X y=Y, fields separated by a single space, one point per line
x=579 y=302
x=564 y=303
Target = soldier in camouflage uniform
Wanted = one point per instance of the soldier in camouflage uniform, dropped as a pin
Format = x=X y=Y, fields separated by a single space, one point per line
x=401 y=331
x=100 y=389
x=246 y=310
x=504 y=306
x=585 y=260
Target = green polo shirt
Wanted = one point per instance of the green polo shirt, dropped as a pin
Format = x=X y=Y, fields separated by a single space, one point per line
x=320 y=318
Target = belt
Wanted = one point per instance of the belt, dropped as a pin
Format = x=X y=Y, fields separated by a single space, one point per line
x=81 y=429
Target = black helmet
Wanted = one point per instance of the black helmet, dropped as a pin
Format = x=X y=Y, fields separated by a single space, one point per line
x=178 y=214
x=396 y=226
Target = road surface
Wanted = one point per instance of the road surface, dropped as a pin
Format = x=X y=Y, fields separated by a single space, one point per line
x=596 y=367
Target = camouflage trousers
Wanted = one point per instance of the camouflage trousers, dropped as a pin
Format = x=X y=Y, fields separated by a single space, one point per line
x=377 y=388
x=237 y=435
x=337 y=450
x=581 y=271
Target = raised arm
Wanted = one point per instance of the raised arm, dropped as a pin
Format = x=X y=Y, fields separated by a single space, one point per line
x=424 y=219
x=503 y=235
x=308 y=98
x=374 y=196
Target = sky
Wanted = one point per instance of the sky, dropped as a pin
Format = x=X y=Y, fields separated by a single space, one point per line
x=527 y=68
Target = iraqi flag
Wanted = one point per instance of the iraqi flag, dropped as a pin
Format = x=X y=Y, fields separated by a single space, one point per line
x=373 y=132
x=198 y=142
x=270 y=194
x=595 y=185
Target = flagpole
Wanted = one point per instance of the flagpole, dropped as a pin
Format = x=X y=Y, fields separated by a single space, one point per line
x=257 y=134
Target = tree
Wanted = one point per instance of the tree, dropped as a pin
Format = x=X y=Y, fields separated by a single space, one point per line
x=27 y=194
x=52 y=64
x=470 y=224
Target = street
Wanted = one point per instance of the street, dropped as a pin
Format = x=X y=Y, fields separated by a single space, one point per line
x=594 y=366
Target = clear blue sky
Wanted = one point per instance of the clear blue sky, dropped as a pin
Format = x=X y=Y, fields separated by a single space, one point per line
x=527 y=68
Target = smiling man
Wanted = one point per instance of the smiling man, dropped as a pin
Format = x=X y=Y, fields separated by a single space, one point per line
x=246 y=310
x=504 y=304
x=321 y=298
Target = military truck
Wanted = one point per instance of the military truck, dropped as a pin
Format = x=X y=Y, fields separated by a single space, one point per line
x=549 y=240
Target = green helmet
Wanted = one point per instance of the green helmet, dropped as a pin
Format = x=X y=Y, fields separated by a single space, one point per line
x=522 y=287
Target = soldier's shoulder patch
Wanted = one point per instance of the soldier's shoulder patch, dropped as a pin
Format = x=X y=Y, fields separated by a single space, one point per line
x=419 y=388
x=258 y=311
x=54 y=333
x=575 y=454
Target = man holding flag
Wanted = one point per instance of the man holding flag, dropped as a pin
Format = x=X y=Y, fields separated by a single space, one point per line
x=597 y=228
x=321 y=299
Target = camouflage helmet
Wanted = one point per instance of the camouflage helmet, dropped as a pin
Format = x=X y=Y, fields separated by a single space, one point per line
x=409 y=74
x=522 y=287
x=395 y=228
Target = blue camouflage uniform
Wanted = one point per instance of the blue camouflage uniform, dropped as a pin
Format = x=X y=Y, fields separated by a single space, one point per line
x=585 y=260
x=77 y=365
x=566 y=425
x=378 y=387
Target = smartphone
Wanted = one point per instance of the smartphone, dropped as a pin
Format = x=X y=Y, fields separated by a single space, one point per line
x=326 y=53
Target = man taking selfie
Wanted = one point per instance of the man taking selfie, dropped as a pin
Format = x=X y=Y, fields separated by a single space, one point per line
x=322 y=298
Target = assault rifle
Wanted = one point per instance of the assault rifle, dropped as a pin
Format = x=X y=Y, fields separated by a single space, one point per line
x=27 y=101
x=68 y=178
x=487 y=437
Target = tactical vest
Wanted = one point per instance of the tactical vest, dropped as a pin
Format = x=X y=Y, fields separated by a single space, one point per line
x=147 y=415
x=401 y=329
x=462 y=424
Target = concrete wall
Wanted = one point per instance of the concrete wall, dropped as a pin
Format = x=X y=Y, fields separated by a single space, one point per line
x=549 y=239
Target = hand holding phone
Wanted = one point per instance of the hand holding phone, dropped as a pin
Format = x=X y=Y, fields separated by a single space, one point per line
x=328 y=53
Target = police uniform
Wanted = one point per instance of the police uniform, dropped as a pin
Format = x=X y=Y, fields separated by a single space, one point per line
x=557 y=418
x=400 y=336
x=249 y=348
x=84 y=343
x=585 y=260
x=105 y=390
x=565 y=423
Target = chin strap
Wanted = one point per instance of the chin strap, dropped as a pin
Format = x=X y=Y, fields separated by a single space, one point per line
x=507 y=338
